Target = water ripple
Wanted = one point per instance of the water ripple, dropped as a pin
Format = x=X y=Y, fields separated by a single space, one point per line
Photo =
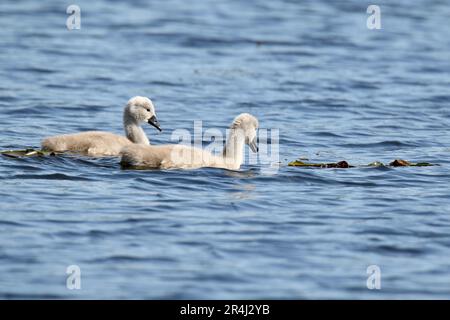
x=335 y=91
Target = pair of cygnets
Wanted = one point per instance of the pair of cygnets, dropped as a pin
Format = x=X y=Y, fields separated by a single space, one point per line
x=135 y=149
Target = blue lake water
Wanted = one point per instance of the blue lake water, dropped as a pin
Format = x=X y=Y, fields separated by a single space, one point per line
x=312 y=69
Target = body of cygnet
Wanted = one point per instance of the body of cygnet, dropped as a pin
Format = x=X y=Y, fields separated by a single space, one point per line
x=242 y=131
x=99 y=143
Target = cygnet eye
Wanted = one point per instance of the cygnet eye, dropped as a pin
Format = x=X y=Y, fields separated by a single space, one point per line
x=148 y=110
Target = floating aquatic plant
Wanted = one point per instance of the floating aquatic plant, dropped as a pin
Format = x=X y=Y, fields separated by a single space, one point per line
x=26 y=153
x=404 y=163
x=344 y=164
x=340 y=164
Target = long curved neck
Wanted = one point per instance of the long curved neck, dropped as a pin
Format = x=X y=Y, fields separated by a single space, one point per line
x=233 y=152
x=133 y=130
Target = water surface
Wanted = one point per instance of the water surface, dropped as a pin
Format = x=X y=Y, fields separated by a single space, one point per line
x=312 y=69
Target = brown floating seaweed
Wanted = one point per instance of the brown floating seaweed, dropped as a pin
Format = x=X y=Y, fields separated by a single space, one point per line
x=400 y=163
x=344 y=164
x=404 y=163
x=26 y=153
x=340 y=164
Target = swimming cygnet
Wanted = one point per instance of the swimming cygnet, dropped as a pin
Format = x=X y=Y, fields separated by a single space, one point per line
x=242 y=131
x=99 y=143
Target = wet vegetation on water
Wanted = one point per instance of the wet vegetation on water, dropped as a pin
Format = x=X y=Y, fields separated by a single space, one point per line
x=344 y=164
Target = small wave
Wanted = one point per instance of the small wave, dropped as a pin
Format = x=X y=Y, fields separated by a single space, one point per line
x=165 y=83
x=382 y=144
x=36 y=70
x=8 y=98
x=129 y=258
x=325 y=134
x=29 y=296
x=11 y=223
x=57 y=86
x=392 y=249
x=53 y=176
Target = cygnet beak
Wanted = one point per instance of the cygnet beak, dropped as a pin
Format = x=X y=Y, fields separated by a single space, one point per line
x=154 y=122
x=253 y=145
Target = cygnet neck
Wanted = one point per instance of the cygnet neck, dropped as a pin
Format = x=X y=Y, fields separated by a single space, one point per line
x=133 y=130
x=233 y=152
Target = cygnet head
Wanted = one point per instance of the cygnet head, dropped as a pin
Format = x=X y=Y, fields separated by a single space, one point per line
x=248 y=125
x=140 y=109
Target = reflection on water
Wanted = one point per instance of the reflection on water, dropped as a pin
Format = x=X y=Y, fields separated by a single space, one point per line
x=245 y=192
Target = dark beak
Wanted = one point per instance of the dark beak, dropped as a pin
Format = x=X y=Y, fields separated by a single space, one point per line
x=253 y=145
x=154 y=122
